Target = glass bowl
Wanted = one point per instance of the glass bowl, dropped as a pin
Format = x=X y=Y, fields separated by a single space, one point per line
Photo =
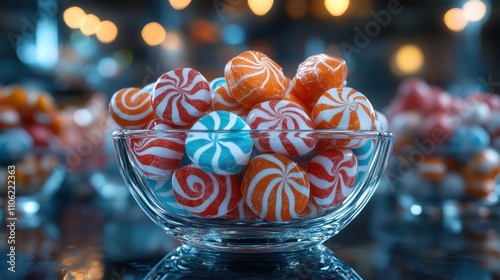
x=250 y=234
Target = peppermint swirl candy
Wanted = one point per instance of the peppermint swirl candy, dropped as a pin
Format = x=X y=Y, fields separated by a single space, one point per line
x=205 y=194
x=220 y=152
x=282 y=115
x=332 y=175
x=181 y=96
x=275 y=187
x=131 y=108
x=165 y=195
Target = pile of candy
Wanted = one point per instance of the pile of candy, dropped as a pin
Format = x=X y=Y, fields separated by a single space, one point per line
x=446 y=146
x=223 y=167
x=29 y=121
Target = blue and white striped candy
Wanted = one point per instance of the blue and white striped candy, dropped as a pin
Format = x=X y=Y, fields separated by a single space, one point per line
x=219 y=152
x=165 y=195
x=364 y=155
x=14 y=145
x=215 y=83
x=467 y=140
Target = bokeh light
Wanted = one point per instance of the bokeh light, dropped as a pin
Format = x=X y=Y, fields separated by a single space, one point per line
x=474 y=10
x=233 y=34
x=296 y=8
x=106 y=31
x=153 y=34
x=455 y=20
x=260 y=7
x=172 y=42
x=336 y=7
x=179 y=4
x=72 y=17
x=88 y=24
x=408 y=59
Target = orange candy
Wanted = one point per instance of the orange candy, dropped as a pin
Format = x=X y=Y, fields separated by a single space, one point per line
x=433 y=168
x=252 y=78
x=317 y=74
x=17 y=97
x=223 y=100
x=131 y=108
x=43 y=109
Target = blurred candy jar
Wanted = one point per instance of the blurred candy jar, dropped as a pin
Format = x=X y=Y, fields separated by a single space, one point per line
x=446 y=149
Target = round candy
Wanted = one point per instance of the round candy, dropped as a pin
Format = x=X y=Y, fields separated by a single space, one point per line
x=14 y=144
x=252 y=77
x=468 y=140
x=131 y=108
x=344 y=109
x=19 y=98
x=9 y=117
x=383 y=123
x=215 y=83
x=417 y=186
x=282 y=115
x=222 y=153
x=205 y=194
x=158 y=124
x=484 y=164
x=241 y=213
x=275 y=187
x=364 y=156
x=165 y=194
x=157 y=156
x=332 y=175
x=317 y=74
x=312 y=210
x=42 y=136
x=223 y=100
x=432 y=168
x=476 y=112
x=43 y=109
x=452 y=186
x=181 y=96
x=438 y=127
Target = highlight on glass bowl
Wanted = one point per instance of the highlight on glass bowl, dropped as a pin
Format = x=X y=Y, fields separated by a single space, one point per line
x=252 y=161
x=446 y=149
x=30 y=137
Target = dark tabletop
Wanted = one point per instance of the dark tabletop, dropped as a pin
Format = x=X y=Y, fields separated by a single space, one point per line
x=89 y=232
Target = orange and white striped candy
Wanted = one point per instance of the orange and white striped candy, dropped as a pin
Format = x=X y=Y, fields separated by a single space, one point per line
x=252 y=77
x=223 y=100
x=241 y=213
x=131 y=108
x=317 y=74
x=345 y=109
x=275 y=187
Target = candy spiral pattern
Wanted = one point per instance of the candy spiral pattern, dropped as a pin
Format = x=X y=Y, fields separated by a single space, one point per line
x=346 y=109
x=317 y=74
x=252 y=77
x=364 y=156
x=241 y=213
x=223 y=100
x=275 y=187
x=165 y=195
x=215 y=83
x=332 y=176
x=131 y=108
x=181 y=96
x=205 y=194
x=219 y=152
x=282 y=115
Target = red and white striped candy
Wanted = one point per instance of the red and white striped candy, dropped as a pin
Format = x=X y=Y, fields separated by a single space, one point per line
x=332 y=176
x=205 y=194
x=131 y=108
x=157 y=157
x=241 y=213
x=345 y=109
x=282 y=115
x=181 y=96
x=223 y=100
x=275 y=187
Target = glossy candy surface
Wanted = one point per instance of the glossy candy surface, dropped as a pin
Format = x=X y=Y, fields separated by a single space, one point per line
x=131 y=108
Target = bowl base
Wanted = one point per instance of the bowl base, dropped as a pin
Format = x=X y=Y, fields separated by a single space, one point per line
x=187 y=262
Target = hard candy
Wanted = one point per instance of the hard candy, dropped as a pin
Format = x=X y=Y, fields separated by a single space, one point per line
x=43 y=109
x=15 y=143
x=223 y=100
x=275 y=188
x=312 y=210
x=468 y=140
x=252 y=77
x=181 y=96
x=344 y=109
x=131 y=108
x=9 y=117
x=165 y=195
x=222 y=152
x=241 y=213
x=364 y=156
x=215 y=83
x=432 y=168
x=316 y=75
x=205 y=194
x=332 y=175
x=282 y=115
x=485 y=164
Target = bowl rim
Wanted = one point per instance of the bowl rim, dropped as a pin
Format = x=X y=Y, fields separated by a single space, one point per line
x=372 y=134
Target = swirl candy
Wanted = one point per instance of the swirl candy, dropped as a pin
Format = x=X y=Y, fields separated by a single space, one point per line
x=131 y=108
x=223 y=100
x=317 y=74
x=205 y=194
x=364 y=156
x=157 y=156
x=252 y=77
x=332 y=175
x=242 y=213
x=220 y=152
x=344 y=108
x=282 y=115
x=312 y=210
x=215 y=83
x=165 y=194
x=181 y=96
x=275 y=187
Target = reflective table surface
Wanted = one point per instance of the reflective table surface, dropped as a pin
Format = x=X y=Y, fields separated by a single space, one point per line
x=87 y=232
